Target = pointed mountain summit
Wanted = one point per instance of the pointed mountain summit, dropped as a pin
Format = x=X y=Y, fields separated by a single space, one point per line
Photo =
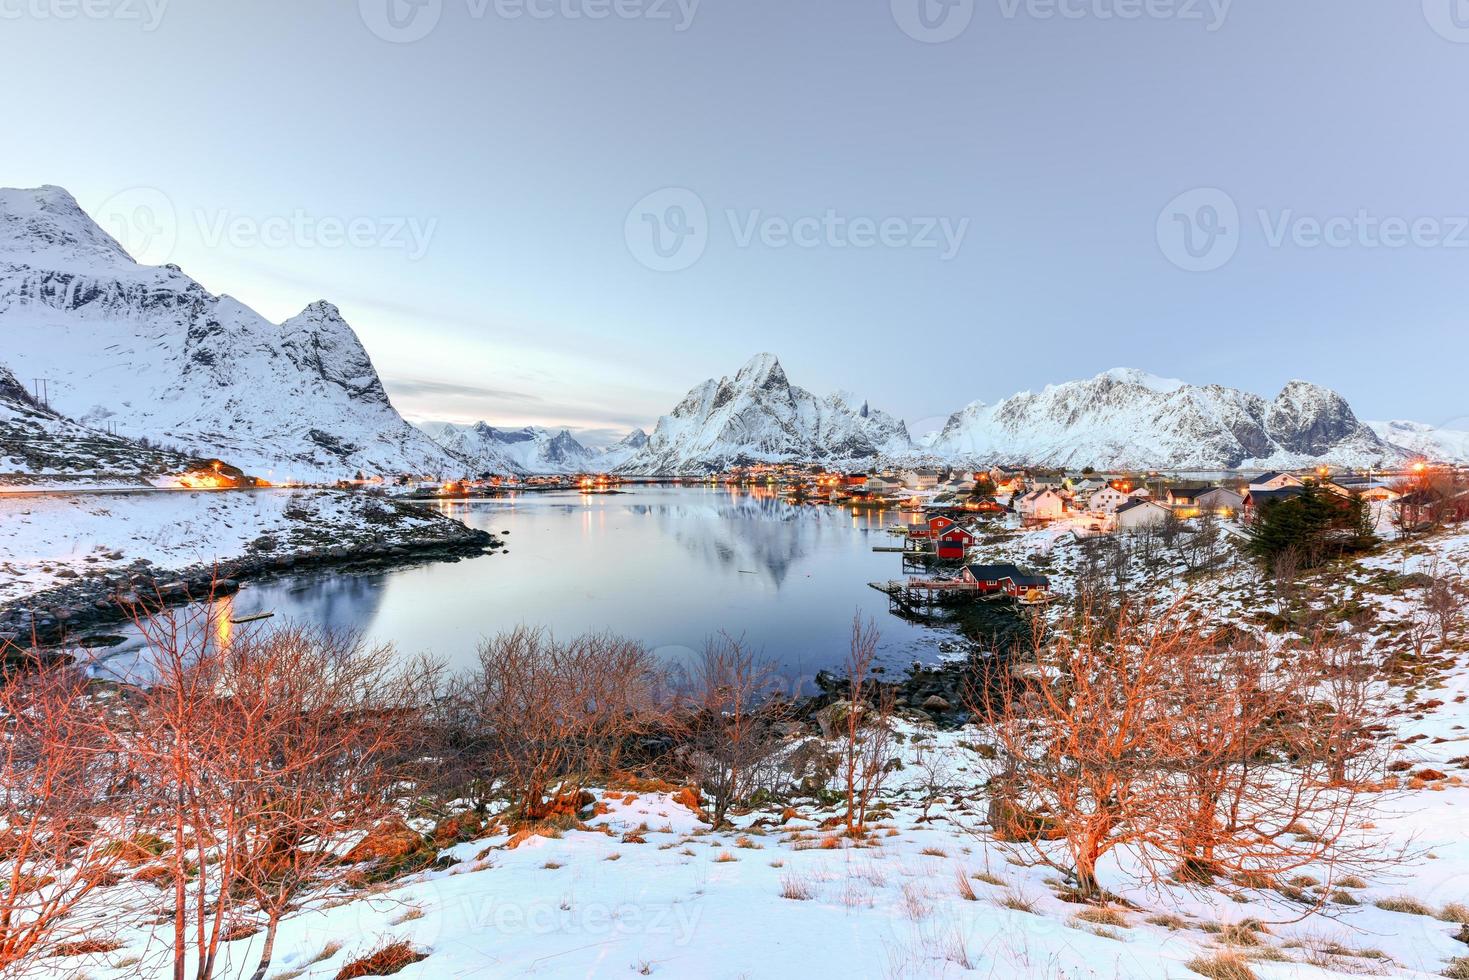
x=152 y=353
x=759 y=416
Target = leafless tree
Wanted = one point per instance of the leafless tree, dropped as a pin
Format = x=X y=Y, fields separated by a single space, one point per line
x=64 y=812
x=866 y=734
x=318 y=723
x=1443 y=602
x=1203 y=755
x=549 y=714
x=730 y=722
x=1077 y=739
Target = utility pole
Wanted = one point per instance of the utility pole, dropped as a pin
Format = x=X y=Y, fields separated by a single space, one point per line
x=42 y=392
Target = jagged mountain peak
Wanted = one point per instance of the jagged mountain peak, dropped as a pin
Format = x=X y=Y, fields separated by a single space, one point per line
x=763 y=370
x=154 y=354
x=1128 y=418
x=1141 y=378
x=759 y=416
x=45 y=226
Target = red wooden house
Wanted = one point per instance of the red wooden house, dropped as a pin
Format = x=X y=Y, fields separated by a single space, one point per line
x=1006 y=578
x=954 y=543
x=931 y=528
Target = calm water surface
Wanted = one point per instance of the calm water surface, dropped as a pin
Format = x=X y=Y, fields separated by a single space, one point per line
x=668 y=566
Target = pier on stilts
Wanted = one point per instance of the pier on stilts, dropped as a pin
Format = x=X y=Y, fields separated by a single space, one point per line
x=919 y=594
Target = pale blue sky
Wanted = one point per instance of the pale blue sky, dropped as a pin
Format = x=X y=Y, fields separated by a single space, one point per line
x=517 y=146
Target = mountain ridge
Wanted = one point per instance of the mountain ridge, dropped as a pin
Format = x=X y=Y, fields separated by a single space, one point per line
x=150 y=352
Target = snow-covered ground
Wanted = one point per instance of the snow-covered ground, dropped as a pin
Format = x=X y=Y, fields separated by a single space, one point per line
x=48 y=540
x=648 y=889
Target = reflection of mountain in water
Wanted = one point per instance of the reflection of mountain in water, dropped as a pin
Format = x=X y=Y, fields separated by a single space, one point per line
x=336 y=602
x=751 y=533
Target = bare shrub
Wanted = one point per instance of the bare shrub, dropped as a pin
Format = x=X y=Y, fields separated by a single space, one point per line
x=258 y=755
x=730 y=724
x=63 y=811
x=866 y=734
x=1151 y=730
x=318 y=723
x=545 y=715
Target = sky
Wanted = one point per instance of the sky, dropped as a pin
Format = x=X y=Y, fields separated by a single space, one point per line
x=569 y=212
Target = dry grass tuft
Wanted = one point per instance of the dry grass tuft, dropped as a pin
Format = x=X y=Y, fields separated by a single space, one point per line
x=1455 y=912
x=966 y=890
x=1103 y=917
x=1458 y=968
x=796 y=889
x=1222 y=966
x=382 y=962
x=87 y=947
x=1018 y=902
x=1168 y=921
x=1405 y=904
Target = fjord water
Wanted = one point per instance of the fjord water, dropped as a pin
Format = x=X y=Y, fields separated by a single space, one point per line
x=667 y=566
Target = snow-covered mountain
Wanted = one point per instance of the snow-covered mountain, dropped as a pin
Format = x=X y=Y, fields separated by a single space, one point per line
x=156 y=355
x=1129 y=419
x=617 y=454
x=530 y=450
x=759 y=416
x=1443 y=445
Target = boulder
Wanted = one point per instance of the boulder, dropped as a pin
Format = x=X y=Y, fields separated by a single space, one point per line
x=386 y=842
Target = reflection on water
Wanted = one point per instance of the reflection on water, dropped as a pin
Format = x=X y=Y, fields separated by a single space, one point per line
x=666 y=566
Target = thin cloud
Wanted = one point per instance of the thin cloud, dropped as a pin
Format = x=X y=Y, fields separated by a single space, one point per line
x=427 y=387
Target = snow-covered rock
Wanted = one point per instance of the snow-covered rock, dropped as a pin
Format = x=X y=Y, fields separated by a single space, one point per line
x=1126 y=418
x=154 y=354
x=759 y=416
x=1443 y=445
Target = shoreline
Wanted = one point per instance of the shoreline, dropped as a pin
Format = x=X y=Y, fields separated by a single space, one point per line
x=319 y=531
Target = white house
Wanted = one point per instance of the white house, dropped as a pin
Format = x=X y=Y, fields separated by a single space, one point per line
x=1140 y=513
x=920 y=479
x=1106 y=500
x=1041 y=505
x=1274 y=481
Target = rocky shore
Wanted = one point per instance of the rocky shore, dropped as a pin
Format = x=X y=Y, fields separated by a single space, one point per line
x=101 y=597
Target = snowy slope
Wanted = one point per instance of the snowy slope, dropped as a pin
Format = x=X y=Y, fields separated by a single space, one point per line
x=155 y=354
x=759 y=416
x=1127 y=418
x=620 y=452
x=1442 y=445
x=37 y=442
